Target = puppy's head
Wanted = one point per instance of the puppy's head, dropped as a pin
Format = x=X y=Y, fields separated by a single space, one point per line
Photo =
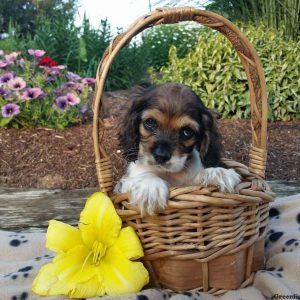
x=165 y=124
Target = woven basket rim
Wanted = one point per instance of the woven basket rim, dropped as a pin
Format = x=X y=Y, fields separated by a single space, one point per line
x=253 y=190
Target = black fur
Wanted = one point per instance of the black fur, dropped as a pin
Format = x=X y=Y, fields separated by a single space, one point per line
x=208 y=138
x=129 y=135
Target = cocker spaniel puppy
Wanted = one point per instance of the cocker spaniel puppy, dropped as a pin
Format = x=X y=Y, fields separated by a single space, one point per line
x=170 y=139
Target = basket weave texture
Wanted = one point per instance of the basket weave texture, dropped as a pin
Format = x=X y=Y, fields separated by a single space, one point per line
x=205 y=239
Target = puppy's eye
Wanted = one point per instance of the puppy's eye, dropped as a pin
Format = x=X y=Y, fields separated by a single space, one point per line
x=150 y=124
x=186 y=133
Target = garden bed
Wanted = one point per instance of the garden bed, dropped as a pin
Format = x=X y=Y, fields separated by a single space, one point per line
x=53 y=158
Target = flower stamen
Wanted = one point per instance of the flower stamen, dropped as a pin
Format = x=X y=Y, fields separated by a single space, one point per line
x=98 y=250
x=86 y=259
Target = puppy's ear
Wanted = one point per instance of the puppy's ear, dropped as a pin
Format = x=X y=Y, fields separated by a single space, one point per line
x=211 y=147
x=129 y=135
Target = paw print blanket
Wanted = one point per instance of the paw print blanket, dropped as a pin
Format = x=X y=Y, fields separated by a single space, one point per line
x=22 y=255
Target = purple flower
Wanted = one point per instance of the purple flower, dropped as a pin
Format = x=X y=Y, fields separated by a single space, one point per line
x=73 y=85
x=4 y=64
x=10 y=110
x=12 y=56
x=88 y=80
x=16 y=83
x=58 y=92
x=4 y=93
x=62 y=103
x=4 y=78
x=36 y=52
x=72 y=76
x=33 y=93
x=72 y=99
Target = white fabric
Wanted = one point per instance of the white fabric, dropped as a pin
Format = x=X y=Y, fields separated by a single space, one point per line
x=22 y=254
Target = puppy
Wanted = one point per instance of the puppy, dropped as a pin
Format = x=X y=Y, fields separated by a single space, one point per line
x=170 y=139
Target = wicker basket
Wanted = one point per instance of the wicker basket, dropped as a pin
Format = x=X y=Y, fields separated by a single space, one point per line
x=205 y=239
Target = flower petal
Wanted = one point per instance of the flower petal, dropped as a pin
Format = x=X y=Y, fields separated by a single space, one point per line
x=129 y=244
x=120 y=275
x=88 y=289
x=70 y=274
x=47 y=283
x=99 y=221
x=62 y=237
x=44 y=280
x=74 y=266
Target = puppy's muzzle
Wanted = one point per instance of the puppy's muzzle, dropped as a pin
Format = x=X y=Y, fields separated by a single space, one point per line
x=162 y=152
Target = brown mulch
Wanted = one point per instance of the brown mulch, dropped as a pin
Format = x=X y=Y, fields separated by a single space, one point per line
x=53 y=158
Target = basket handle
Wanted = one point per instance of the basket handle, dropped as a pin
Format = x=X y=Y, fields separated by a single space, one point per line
x=250 y=62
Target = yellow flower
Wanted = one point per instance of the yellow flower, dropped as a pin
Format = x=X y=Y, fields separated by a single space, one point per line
x=94 y=259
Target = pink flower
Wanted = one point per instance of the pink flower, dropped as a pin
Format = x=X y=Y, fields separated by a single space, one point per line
x=12 y=56
x=72 y=99
x=33 y=93
x=36 y=52
x=57 y=68
x=4 y=64
x=54 y=70
x=88 y=80
x=16 y=83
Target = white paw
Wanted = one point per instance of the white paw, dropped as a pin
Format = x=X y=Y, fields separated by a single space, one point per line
x=148 y=192
x=225 y=179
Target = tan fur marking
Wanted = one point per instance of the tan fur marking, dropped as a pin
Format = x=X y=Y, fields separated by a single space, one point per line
x=183 y=121
x=172 y=122
x=189 y=142
x=157 y=115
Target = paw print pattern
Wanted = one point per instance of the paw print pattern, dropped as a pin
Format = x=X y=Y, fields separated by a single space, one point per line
x=274 y=213
x=273 y=236
x=290 y=245
x=23 y=296
x=17 y=240
x=193 y=295
x=45 y=257
x=21 y=273
x=142 y=297
x=298 y=219
x=275 y=272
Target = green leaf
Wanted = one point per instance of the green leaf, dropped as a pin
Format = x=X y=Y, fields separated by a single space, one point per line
x=4 y=121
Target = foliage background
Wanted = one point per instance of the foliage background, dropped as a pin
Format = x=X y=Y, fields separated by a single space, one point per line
x=182 y=52
x=215 y=73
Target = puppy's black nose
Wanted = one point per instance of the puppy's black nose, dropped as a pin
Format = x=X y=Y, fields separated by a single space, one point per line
x=162 y=152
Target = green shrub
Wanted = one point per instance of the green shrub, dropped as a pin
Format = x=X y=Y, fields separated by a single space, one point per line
x=81 y=49
x=276 y=14
x=215 y=73
x=158 y=40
